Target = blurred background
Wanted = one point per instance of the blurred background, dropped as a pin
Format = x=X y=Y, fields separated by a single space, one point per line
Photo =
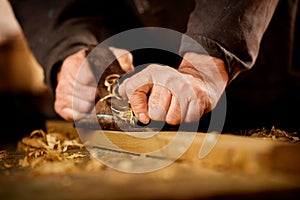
x=25 y=101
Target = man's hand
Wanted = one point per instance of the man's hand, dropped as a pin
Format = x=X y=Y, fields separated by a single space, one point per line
x=184 y=95
x=84 y=95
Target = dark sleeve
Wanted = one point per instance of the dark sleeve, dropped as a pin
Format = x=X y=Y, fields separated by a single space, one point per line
x=229 y=29
x=56 y=29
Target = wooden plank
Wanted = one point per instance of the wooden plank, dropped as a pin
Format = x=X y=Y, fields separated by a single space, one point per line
x=224 y=173
x=238 y=154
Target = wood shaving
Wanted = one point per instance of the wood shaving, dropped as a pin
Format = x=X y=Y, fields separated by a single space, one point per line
x=50 y=153
x=123 y=110
x=273 y=133
x=3 y=158
x=3 y=154
x=40 y=148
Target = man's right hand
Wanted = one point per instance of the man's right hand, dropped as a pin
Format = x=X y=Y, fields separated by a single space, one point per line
x=165 y=94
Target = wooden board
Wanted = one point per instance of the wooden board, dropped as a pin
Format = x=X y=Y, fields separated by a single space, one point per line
x=237 y=167
x=238 y=154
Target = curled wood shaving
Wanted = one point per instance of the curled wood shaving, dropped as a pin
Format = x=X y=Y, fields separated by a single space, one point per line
x=3 y=158
x=3 y=154
x=124 y=112
x=41 y=147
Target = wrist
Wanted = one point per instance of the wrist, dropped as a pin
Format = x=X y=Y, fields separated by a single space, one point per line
x=200 y=65
x=210 y=70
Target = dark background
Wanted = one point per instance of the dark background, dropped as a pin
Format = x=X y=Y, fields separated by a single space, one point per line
x=264 y=96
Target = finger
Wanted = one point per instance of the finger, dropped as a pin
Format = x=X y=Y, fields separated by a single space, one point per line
x=159 y=102
x=61 y=105
x=80 y=102
x=194 y=112
x=68 y=86
x=78 y=115
x=124 y=58
x=66 y=113
x=63 y=102
x=69 y=114
x=85 y=75
x=174 y=115
x=82 y=106
x=140 y=81
x=84 y=92
x=77 y=68
x=139 y=104
x=199 y=101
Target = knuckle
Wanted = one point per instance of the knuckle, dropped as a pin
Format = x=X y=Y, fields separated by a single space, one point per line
x=153 y=66
x=157 y=113
x=59 y=109
x=84 y=107
x=81 y=105
x=194 y=112
x=173 y=119
x=174 y=115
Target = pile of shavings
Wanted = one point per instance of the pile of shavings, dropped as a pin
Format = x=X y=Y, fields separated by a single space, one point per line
x=273 y=133
x=41 y=147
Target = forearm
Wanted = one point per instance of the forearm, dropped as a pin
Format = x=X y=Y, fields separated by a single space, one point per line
x=230 y=29
x=57 y=29
x=51 y=36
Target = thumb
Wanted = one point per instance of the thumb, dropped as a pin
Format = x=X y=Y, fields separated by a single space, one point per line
x=139 y=104
x=139 y=101
x=124 y=58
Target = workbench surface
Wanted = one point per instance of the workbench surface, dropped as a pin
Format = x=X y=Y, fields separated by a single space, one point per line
x=237 y=167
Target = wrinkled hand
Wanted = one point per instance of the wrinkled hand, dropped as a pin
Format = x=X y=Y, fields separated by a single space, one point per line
x=84 y=95
x=165 y=94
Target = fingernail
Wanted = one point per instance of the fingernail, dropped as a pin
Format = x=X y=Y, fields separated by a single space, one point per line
x=143 y=118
